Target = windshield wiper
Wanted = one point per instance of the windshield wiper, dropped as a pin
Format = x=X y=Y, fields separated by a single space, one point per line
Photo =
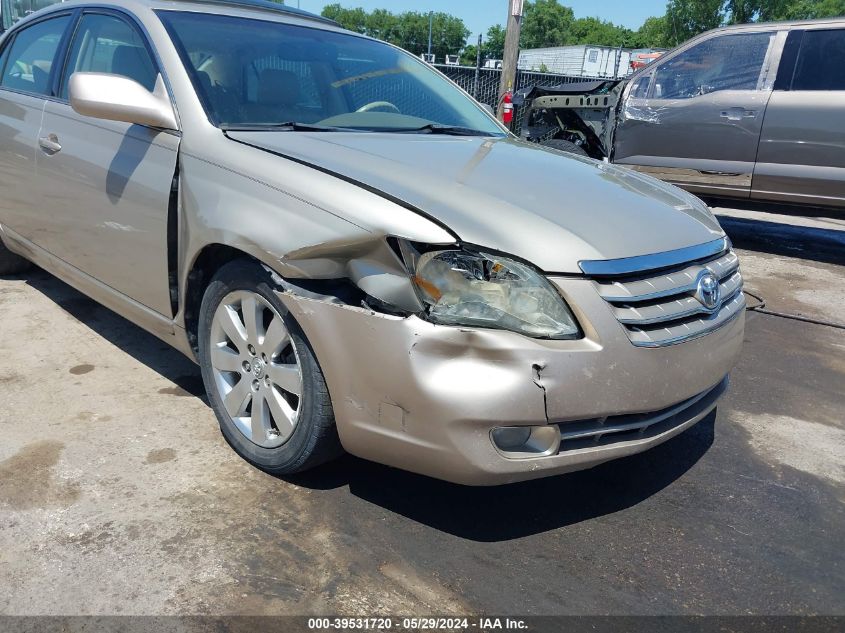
x=437 y=128
x=289 y=126
x=296 y=126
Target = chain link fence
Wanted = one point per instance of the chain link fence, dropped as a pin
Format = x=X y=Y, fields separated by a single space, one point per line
x=487 y=88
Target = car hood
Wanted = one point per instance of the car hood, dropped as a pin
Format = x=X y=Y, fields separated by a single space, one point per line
x=547 y=207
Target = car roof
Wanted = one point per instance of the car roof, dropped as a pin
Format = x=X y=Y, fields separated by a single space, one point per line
x=260 y=5
x=784 y=25
x=244 y=8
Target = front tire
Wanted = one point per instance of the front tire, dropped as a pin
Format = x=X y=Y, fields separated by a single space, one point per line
x=261 y=375
x=10 y=263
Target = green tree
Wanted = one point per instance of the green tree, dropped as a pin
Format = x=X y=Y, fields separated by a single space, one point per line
x=494 y=44
x=492 y=47
x=408 y=30
x=549 y=23
x=469 y=55
x=546 y=23
x=382 y=24
x=688 y=18
x=800 y=9
x=352 y=19
x=653 y=34
x=601 y=33
x=742 y=11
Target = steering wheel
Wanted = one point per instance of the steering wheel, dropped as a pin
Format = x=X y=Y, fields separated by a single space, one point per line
x=376 y=105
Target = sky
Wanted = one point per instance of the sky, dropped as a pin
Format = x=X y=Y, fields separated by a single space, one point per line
x=479 y=15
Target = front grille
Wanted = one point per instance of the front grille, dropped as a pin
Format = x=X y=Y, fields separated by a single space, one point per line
x=660 y=310
x=629 y=428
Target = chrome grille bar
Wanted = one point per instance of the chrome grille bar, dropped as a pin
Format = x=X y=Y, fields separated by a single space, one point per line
x=675 y=308
x=657 y=310
x=666 y=285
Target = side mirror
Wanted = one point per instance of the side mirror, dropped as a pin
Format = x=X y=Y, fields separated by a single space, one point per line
x=489 y=109
x=117 y=98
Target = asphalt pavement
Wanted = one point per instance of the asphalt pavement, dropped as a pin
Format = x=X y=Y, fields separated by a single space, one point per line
x=118 y=494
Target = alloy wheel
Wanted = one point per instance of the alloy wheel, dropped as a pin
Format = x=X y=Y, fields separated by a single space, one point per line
x=256 y=368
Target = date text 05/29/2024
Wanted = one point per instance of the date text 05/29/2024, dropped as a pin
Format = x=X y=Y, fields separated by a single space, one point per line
x=416 y=624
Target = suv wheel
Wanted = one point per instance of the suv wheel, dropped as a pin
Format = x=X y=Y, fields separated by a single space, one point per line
x=261 y=375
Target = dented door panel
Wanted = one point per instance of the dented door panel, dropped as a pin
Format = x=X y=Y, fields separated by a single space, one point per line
x=707 y=142
x=699 y=125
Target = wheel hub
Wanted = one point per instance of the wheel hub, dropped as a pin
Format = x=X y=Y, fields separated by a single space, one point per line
x=258 y=368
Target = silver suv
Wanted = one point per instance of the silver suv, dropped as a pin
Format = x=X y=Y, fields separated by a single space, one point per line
x=357 y=255
x=748 y=111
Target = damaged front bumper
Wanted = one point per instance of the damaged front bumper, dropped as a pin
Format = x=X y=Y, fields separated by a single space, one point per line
x=427 y=398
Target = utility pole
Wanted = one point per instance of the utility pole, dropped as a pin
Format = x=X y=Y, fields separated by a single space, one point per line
x=511 y=56
x=430 y=26
x=477 y=69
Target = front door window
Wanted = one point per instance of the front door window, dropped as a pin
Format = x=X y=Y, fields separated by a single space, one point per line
x=727 y=62
x=109 y=44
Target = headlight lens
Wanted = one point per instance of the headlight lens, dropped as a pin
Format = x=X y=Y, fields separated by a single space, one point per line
x=477 y=289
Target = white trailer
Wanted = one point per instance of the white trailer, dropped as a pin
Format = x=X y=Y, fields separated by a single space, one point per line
x=578 y=61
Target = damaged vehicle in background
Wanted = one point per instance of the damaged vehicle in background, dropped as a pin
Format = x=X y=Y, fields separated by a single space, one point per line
x=355 y=252
x=747 y=112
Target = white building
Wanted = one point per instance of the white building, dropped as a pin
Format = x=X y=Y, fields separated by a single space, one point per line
x=578 y=61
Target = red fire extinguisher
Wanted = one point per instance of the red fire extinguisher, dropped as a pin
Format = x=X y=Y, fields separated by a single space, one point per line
x=507 y=108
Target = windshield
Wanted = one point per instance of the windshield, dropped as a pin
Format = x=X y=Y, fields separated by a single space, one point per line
x=253 y=73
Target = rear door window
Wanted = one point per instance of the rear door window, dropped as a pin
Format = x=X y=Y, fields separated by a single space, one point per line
x=31 y=56
x=821 y=61
x=725 y=62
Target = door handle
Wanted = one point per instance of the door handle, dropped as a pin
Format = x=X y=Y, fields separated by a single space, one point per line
x=710 y=172
x=738 y=114
x=50 y=144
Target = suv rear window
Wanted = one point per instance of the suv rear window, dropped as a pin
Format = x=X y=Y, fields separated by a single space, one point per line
x=821 y=62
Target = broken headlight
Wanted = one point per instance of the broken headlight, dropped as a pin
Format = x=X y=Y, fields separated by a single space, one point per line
x=481 y=290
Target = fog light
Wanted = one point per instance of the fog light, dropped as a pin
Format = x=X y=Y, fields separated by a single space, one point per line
x=525 y=442
x=509 y=438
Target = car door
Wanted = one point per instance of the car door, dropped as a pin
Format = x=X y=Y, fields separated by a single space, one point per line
x=802 y=145
x=699 y=123
x=26 y=64
x=106 y=184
